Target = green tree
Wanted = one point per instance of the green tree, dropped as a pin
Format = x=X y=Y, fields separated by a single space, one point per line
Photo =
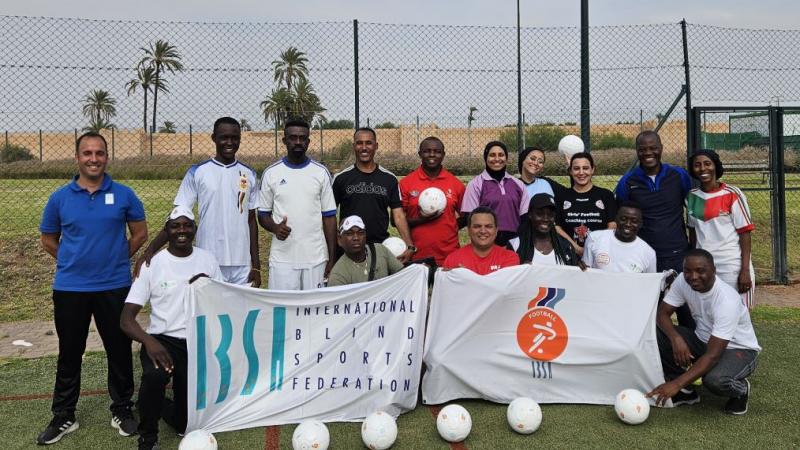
x=99 y=106
x=97 y=125
x=305 y=102
x=386 y=125
x=168 y=127
x=290 y=67
x=161 y=56
x=245 y=125
x=339 y=124
x=146 y=80
x=277 y=105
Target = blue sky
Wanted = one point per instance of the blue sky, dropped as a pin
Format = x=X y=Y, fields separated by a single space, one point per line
x=734 y=13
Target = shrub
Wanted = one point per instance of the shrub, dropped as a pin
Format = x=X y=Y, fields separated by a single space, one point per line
x=611 y=140
x=13 y=153
x=385 y=125
x=338 y=124
x=544 y=136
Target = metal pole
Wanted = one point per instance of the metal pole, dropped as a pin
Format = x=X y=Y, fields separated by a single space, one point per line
x=691 y=142
x=585 y=118
x=76 y=136
x=151 y=145
x=113 y=143
x=777 y=194
x=519 y=84
x=524 y=144
x=7 y=139
x=641 y=120
x=321 y=147
x=41 y=154
x=355 y=69
x=190 y=141
x=276 y=138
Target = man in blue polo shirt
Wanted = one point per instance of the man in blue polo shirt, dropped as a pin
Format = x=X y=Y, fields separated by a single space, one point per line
x=660 y=189
x=83 y=227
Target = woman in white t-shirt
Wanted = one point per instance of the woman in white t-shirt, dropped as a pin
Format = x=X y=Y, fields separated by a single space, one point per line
x=720 y=222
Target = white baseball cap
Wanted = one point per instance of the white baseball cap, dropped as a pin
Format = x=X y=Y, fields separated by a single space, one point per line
x=181 y=211
x=350 y=222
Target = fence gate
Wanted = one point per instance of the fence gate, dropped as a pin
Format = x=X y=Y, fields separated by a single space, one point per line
x=759 y=147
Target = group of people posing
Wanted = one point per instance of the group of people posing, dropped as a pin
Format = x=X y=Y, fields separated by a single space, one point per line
x=530 y=220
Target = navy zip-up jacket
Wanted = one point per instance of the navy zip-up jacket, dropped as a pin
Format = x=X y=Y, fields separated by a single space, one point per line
x=662 y=201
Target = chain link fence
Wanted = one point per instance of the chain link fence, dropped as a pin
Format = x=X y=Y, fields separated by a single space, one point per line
x=61 y=76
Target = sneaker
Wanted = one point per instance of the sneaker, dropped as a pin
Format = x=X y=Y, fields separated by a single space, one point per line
x=148 y=445
x=686 y=397
x=58 y=427
x=738 y=405
x=124 y=422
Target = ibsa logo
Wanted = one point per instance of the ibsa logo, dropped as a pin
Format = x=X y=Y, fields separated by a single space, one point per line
x=541 y=333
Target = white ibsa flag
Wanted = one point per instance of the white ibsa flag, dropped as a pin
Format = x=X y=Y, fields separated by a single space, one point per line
x=552 y=333
x=259 y=358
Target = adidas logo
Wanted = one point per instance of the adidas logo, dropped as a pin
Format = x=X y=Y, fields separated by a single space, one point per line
x=283 y=181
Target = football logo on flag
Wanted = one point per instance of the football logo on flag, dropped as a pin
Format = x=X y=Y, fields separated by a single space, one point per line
x=541 y=333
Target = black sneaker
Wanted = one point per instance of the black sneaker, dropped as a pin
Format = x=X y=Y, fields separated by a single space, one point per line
x=124 y=422
x=58 y=427
x=738 y=406
x=685 y=397
x=148 y=445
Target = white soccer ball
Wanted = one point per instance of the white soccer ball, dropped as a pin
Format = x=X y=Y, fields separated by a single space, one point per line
x=311 y=435
x=432 y=201
x=569 y=145
x=198 y=440
x=395 y=245
x=524 y=415
x=379 y=431
x=632 y=407
x=454 y=423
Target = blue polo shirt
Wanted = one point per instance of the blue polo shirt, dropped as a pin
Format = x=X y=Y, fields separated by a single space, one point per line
x=93 y=252
x=662 y=202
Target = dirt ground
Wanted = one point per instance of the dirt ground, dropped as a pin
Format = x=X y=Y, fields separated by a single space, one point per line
x=778 y=295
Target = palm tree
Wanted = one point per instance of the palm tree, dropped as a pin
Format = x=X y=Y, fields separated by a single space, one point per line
x=99 y=106
x=160 y=56
x=97 y=125
x=290 y=66
x=277 y=106
x=169 y=127
x=145 y=79
x=245 y=125
x=306 y=103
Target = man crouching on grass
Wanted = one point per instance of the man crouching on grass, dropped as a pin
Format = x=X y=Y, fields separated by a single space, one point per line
x=723 y=349
x=163 y=354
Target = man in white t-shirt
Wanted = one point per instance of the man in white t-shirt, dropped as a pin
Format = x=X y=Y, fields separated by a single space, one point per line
x=163 y=356
x=722 y=349
x=225 y=191
x=296 y=205
x=620 y=249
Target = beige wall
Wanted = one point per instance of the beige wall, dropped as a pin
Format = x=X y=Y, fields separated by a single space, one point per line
x=404 y=140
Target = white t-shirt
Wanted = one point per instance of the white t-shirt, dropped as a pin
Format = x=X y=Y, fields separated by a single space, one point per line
x=540 y=259
x=718 y=218
x=224 y=196
x=604 y=251
x=303 y=194
x=164 y=284
x=719 y=312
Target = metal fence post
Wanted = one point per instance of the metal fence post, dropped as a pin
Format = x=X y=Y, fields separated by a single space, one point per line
x=6 y=138
x=321 y=146
x=519 y=85
x=691 y=142
x=355 y=73
x=586 y=123
x=190 y=141
x=777 y=195
x=151 y=145
x=113 y=143
x=41 y=153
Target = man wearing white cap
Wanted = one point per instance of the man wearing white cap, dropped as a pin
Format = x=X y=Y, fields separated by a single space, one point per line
x=163 y=283
x=361 y=262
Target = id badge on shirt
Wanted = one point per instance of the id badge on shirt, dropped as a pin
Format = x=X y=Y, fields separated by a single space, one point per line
x=110 y=198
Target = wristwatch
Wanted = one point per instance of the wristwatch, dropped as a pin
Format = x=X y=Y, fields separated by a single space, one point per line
x=412 y=248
